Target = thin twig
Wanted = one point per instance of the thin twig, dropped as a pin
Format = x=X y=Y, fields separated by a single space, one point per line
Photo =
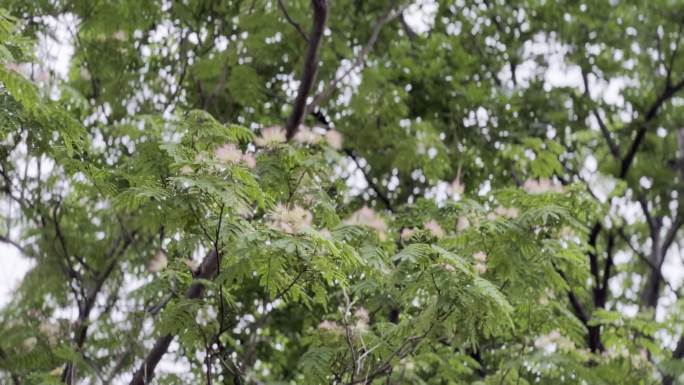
x=291 y=21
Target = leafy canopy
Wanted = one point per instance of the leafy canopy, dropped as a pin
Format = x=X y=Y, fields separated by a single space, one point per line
x=295 y=192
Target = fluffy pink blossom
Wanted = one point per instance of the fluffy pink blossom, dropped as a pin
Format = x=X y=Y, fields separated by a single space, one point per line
x=480 y=256
x=228 y=153
x=186 y=170
x=248 y=160
x=330 y=326
x=307 y=136
x=462 y=224
x=434 y=228
x=366 y=216
x=481 y=262
x=50 y=330
x=158 y=262
x=334 y=139
x=541 y=186
x=85 y=74
x=119 y=35
x=506 y=212
x=362 y=315
x=29 y=343
x=406 y=233
x=271 y=136
x=290 y=221
x=191 y=264
x=457 y=187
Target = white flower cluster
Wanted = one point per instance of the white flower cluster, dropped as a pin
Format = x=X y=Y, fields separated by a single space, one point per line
x=541 y=186
x=306 y=135
x=271 y=137
x=431 y=226
x=366 y=216
x=434 y=228
x=456 y=188
x=158 y=262
x=362 y=320
x=480 y=262
x=506 y=212
x=553 y=341
x=462 y=224
x=229 y=153
x=331 y=326
x=288 y=220
x=49 y=330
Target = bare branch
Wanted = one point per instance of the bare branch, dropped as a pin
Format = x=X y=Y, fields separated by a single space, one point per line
x=291 y=21
x=116 y=251
x=651 y=113
x=17 y=245
x=670 y=237
x=574 y=301
x=407 y=28
x=358 y=61
x=643 y=257
x=604 y=129
x=383 y=198
x=320 y=8
x=610 y=242
x=651 y=294
x=650 y=221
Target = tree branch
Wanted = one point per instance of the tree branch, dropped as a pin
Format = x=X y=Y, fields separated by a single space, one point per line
x=574 y=301
x=291 y=21
x=610 y=242
x=602 y=126
x=17 y=245
x=383 y=198
x=410 y=33
x=677 y=354
x=593 y=257
x=358 y=61
x=320 y=8
x=68 y=375
x=641 y=133
x=651 y=294
x=207 y=270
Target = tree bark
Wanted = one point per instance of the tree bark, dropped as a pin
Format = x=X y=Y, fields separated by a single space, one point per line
x=320 y=8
